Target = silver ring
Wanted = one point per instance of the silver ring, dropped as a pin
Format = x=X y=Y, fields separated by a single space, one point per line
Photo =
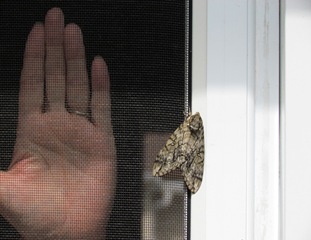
x=82 y=114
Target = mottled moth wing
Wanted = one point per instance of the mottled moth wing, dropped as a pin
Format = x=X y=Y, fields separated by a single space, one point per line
x=192 y=168
x=184 y=150
x=170 y=156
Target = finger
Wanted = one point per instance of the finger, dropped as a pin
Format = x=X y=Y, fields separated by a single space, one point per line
x=77 y=79
x=100 y=93
x=32 y=76
x=55 y=64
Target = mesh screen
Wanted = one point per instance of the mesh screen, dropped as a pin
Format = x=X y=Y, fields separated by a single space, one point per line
x=143 y=44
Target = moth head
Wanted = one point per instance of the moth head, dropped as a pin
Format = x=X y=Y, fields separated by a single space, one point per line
x=194 y=122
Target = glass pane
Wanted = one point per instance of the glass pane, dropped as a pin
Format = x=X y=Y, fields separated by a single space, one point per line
x=143 y=45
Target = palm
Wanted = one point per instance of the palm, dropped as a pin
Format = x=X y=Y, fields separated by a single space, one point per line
x=61 y=180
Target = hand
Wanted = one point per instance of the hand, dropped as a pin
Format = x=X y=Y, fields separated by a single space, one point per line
x=60 y=184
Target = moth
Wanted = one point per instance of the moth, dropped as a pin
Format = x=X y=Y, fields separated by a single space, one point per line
x=184 y=150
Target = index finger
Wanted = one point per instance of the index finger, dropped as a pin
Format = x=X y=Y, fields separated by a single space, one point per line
x=32 y=76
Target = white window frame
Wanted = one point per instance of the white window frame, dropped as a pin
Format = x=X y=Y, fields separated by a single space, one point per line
x=296 y=115
x=235 y=77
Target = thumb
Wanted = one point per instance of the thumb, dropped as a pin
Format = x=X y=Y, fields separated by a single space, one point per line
x=4 y=192
x=11 y=186
x=19 y=184
x=10 y=202
x=12 y=191
x=3 y=184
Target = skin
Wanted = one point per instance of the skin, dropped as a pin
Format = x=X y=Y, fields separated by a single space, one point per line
x=61 y=181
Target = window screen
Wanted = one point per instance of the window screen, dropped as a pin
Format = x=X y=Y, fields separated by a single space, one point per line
x=144 y=45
